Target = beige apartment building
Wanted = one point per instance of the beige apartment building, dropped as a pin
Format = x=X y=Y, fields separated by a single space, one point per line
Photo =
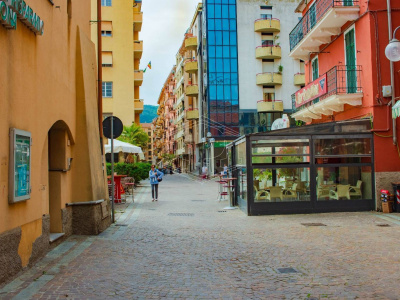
x=121 y=54
x=149 y=152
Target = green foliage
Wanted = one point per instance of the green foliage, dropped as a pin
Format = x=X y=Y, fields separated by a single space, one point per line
x=267 y=174
x=134 y=135
x=168 y=158
x=148 y=114
x=139 y=171
x=280 y=68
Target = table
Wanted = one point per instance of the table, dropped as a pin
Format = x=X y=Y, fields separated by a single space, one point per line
x=230 y=186
x=118 y=190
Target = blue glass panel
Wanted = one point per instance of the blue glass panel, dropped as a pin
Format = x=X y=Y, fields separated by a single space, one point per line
x=212 y=78
x=232 y=11
x=233 y=51
x=233 y=37
x=211 y=37
x=226 y=51
x=219 y=65
x=219 y=51
x=230 y=1
x=226 y=37
x=225 y=24
x=210 y=11
x=211 y=51
x=218 y=24
x=232 y=24
x=235 y=93
x=234 y=65
x=227 y=65
x=227 y=78
x=218 y=37
x=220 y=78
x=218 y=11
x=213 y=92
x=211 y=1
x=225 y=11
x=218 y=1
x=225 y=1
x=211 y=65
x=227 y=92
x=234 y=78
x=211 y=24
x=220 y=92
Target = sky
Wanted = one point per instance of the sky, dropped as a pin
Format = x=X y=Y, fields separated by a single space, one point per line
x=163 y=29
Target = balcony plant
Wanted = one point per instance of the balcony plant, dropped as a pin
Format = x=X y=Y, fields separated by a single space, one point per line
x=280 y=69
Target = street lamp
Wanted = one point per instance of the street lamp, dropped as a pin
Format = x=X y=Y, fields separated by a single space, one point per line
x=392 y=50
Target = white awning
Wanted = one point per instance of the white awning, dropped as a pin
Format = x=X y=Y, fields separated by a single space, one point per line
x=124 y=147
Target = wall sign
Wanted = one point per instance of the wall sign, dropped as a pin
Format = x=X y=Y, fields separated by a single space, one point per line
x=311 y=91
x=281 y=123
x=20 y=166
x=11 y=10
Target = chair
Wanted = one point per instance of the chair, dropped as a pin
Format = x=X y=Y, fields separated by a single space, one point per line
x=322 y=192
x=343 y=191
x=292 y=192
x=275 y=192
x=128 y=184
x=260 y=194
x=356 y=190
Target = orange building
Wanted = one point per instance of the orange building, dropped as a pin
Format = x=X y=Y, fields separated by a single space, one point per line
x=348 y=76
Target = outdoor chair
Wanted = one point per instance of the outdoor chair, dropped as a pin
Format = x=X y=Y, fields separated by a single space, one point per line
x=322 y=192
x=275 y=192
x=343 y=191
x=128 y=184
x=356 y=190
x=291 y=192
x=260 y=195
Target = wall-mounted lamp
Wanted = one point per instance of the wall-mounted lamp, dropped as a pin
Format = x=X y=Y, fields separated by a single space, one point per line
x=392 y=50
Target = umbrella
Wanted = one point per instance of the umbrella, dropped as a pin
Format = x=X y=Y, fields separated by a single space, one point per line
x=396 y=110
x=124 y=147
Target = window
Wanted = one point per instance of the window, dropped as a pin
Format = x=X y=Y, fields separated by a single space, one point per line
x=107 y=89
x=314 y=65
x=266 y=16
x=265 y=7
x=107 y=59
x=267 y=43
x=106 y=33
x=106 y=2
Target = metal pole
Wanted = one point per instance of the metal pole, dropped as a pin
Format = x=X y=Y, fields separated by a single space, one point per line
x=99 y=71
x=389 y=14
x=112 y=169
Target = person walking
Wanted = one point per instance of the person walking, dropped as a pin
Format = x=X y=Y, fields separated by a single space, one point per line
x=155 y=177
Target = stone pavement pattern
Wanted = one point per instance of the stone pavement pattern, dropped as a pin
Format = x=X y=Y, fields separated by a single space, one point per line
x=209 y=253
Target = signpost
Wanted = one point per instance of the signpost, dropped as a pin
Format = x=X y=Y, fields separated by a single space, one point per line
x=112 y=128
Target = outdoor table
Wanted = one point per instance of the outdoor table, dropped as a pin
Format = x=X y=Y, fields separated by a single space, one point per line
x=230 y=186
x=220 y=190
x=118 y=190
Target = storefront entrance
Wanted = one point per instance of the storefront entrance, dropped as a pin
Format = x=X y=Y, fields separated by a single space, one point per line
x=282 y=172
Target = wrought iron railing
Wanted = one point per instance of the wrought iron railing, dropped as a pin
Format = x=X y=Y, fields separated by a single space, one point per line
x=313 y=16
x=340 y=80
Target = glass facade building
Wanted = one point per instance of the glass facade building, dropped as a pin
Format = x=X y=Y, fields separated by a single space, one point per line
x=221 y=67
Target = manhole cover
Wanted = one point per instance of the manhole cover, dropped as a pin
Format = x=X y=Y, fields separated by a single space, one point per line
x=221 y=211
x=123 y=225
x=313 y=224
x=181 y=214
x=383 y=225
x=286 y=270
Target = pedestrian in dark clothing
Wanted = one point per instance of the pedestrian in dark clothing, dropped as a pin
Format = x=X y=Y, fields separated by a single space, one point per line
x=155 y=177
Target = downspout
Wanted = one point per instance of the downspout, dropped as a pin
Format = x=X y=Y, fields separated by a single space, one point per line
x=99 y=73
x=389 y=12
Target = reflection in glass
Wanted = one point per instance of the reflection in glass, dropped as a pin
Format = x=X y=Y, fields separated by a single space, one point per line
x=343 y=146
x=281 y=185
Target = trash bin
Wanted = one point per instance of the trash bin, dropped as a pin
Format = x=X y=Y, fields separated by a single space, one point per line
x=396 y=188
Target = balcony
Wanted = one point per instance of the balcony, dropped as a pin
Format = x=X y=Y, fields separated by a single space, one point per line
x=139 y=105
x=268 y=52
x=137 y=21
x=191 y=66
x=299 y=79
x=269 y=79
x=191 y=43
x=192 y=114
x=138 y=49
x=179 y=134
x=179 y=101
x=192 y=90
x=138 y=77
x=328 y=94
x=323 y=20
x=267 y=25
x=269 y=106
x=181 y=151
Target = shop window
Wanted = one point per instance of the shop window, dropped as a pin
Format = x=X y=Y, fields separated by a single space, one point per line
x=20 y=165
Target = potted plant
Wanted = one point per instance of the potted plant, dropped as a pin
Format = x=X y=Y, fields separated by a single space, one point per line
x=280 y=69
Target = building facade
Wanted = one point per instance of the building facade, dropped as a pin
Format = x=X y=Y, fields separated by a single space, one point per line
x=149 y=152
x=51 y=175
x=121 y=53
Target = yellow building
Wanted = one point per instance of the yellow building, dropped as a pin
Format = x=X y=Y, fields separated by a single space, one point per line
x=121 y=54
x=51 y=180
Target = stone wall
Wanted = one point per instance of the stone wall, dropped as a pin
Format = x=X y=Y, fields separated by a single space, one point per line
x=89 y=219
x=383 y=180
x=41 y=245
x=10 y=262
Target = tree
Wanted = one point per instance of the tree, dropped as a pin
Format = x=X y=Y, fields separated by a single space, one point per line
x=134 y=135
x=168 y=158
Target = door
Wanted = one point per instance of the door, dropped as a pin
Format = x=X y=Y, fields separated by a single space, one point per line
x=351 y=74
x=347 y=2
x=315 y=72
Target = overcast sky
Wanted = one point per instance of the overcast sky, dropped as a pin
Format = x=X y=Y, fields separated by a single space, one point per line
x=164 y=26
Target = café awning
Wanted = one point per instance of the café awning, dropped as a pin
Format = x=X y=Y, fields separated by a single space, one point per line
x=124 y=147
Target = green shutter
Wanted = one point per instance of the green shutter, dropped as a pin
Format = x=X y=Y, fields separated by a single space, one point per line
x=351 y=62
x=315 y=73
x=313 y=16
x=347 y=2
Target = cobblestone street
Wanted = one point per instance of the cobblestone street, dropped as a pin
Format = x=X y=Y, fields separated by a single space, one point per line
x=185 y=246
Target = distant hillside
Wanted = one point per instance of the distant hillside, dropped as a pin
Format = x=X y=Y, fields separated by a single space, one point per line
x=148 y=114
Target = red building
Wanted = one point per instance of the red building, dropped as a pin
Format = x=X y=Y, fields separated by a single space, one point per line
x=348 y=77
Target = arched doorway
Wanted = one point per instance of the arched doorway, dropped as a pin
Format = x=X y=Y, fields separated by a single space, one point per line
x=59 y=162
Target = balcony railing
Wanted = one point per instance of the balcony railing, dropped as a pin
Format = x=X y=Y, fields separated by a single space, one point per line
x=340 y=80
x=268 y=52
x=315 y=13
x=269 y=105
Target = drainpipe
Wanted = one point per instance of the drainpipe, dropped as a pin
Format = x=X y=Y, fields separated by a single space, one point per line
x=99 y=72
x=389 y=13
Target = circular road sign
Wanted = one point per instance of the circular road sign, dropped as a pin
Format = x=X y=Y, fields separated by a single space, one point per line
x=117 y=127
